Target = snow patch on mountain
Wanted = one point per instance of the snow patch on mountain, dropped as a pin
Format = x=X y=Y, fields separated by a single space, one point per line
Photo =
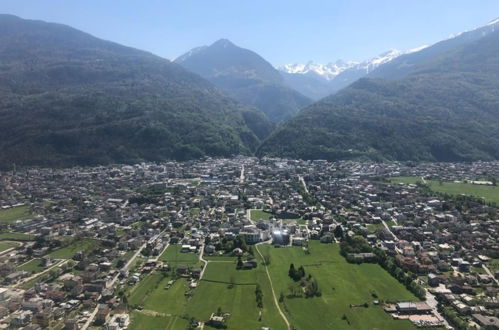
x=493 y=22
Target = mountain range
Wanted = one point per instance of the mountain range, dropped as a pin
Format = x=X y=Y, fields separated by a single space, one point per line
x=438 y=104
x=319 y=80
x=68 y=98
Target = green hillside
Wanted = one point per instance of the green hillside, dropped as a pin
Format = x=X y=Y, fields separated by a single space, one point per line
x=448 y=110
x=69 y=98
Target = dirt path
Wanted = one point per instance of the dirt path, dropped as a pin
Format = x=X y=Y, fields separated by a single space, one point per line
x=273 y=292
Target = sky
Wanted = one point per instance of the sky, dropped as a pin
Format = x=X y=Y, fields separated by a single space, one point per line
x=282 y=31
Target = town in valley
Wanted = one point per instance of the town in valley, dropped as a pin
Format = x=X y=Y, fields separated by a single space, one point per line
x=249 y=243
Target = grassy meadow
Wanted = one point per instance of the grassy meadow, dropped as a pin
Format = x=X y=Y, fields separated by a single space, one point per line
x=13 y=214
x=489 y=193
x=341 y=284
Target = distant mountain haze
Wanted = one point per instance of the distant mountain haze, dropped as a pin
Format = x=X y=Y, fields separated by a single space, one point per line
x=69 y=98
x=245 y=76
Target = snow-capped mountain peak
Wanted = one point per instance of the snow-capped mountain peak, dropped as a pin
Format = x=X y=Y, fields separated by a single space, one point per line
x=326 y=71
x=331 y=70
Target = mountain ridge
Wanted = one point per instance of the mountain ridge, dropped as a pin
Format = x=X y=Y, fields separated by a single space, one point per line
x=245 y=76
x=69 y=98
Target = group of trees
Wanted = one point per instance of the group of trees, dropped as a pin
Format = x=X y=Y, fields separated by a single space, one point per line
x=355 y=244
x=228 y=245
x=308 y=283
x=296 y=274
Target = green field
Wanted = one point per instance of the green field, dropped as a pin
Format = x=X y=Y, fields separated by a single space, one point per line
x=15 y=213
x=69 y=251
x=142 y=320
x=223 y=286
x=220 y=258
x=233 y=291
x=260 y=214
x=341 y=284
x=489 y=193
x=13 y=236
x=194 y=212
x=7 y=245
x=175 y=258
x=33 y=266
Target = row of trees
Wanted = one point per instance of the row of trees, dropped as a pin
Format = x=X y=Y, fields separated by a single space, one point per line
x=454 y=319
x=406 y=278
x=259 y=296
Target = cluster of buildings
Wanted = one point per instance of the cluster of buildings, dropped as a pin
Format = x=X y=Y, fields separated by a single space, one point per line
x=117 y=221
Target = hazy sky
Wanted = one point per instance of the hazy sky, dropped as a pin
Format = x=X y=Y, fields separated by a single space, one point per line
x=282 y=31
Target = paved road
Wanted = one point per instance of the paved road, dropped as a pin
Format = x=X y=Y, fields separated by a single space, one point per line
x=389 y=230
x=431 y=300
x=303 y=183
x=39 y=274
x=487 y=270
x=201 y=254
x=113 y=281
x=241 y=179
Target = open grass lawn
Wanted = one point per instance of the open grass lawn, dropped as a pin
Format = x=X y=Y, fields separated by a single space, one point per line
x=374 y=227
x=341 y=284
x=33 y=266
x=489 y=193
x=260 y=214
x=13 y=236
x=194 y=212
x=139 y=292
x=143 y=321
x=7 y=245
x=406 y=179
x=233 y=291
x=175 y=258
x=69 y=251
x=493 y=265
x=15 y=213
x=238 y=299
x=220 y=258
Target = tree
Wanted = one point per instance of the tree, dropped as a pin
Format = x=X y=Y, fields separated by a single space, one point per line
x=292 y=271
x=259 y=296
x=300 y=272
x=239 y=263
x=266 y=259
x=338 y=231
